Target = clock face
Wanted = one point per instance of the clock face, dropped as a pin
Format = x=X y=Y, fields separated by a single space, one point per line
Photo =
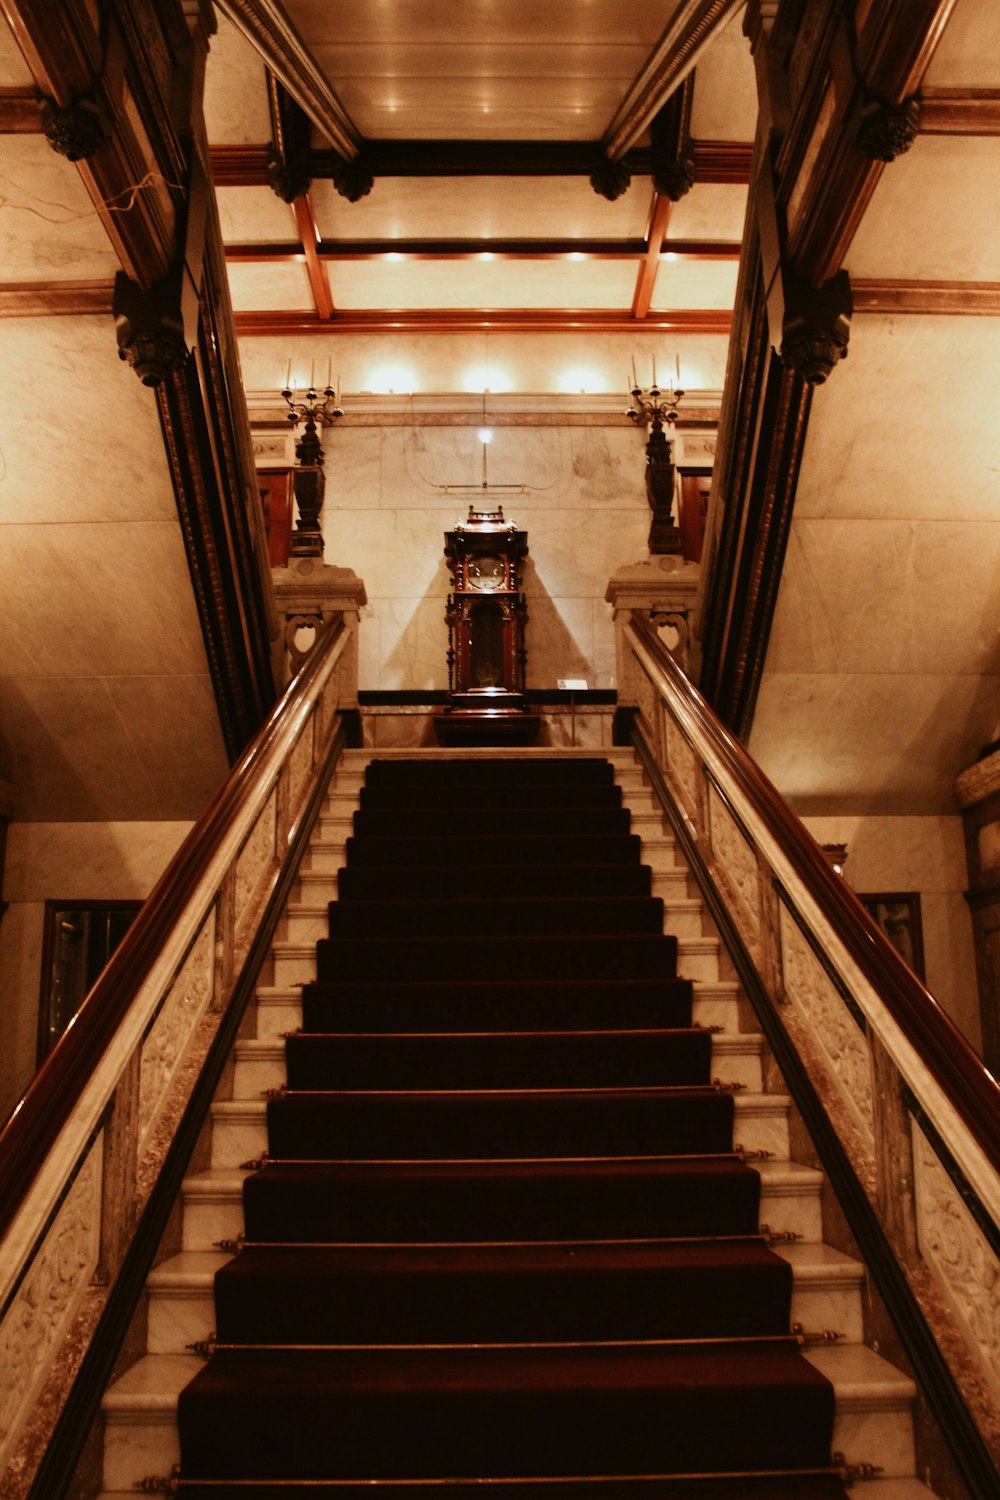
x=486 y=572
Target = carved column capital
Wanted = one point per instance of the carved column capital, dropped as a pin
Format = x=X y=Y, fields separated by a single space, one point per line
x=76 y=131
x=670 y=134
x=610 y=179
x=288 y=172
x=884 y=131
x=816 y=326
x=353 y=179
x=288 y=181
x=150 y=328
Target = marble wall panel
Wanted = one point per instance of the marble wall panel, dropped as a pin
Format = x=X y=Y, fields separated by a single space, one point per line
x=559 y=637
x=710 y=211
x=960 y=240
x=725 y=93
x=969 y=52
x=122 y=603
x=353 y=470
x=413 y=639
x=48 y=230
x=254 y=215
x=98 y=475
x=442 y=362
x=889 y=745
x=235 y=90
x=870 y=594
x=14 y=71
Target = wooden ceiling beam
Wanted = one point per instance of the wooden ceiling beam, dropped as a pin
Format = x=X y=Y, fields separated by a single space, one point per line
x=959 y=111
x=268 y=29
x=42 y=299
x=692 y=26
x=20 y=113
x=659 y=219
x=528 y=250
x=714 y=161
x=460 y=320
x=319 y=282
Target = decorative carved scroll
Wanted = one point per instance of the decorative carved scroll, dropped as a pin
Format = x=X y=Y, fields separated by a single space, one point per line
x=165 y=1048
x=681 y=763
x=964 y=1263
x=46 y=1301
x=736 y=863
x=819 y=1014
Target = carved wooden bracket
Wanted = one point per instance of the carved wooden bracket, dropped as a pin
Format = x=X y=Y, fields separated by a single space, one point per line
x=815 y=326
x=884 y=131
x=610 y=179
x=670 y=133
x=150 y=328
x=352 y=179
x=76 y=131
x=288 y=171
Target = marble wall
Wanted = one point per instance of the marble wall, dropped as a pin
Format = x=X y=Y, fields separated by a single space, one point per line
x=62 y=862
x=392 y=492
x=926 y=855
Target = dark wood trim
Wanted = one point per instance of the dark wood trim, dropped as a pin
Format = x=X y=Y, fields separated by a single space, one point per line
x=691 y=27
x=535 y=250
x=20 y=113
x=82 y=1406
x=517 y=320
x=270 y=31
x=714 y=161
x=44 y=1042
x=44 y=299
x=937 y=1384
x=659 y=221
x=959 y=111
x=966 y=298
x=319 y=282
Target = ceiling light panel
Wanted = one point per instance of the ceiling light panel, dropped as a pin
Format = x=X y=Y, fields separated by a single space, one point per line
x=269 y=288
x=703 y=284
x=473 y=283
x=481 y=208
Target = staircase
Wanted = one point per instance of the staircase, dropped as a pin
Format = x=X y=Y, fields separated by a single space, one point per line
x=509 y=1220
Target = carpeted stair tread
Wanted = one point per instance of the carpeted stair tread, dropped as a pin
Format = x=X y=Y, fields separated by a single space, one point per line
x=272 y=1294
x=591 y=1409
x=496 y=1004
x=800 y=1485
x=489 y=772
x=498 y=1124
x=496 y=916
x=576 y=955
x=459 y=797
x=505 y=817
x=525 y=1059
x=487 y=1201
x=520 y=880
x=496 y=849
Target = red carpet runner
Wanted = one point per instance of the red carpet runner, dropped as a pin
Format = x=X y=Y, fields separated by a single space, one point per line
x=502 y=1234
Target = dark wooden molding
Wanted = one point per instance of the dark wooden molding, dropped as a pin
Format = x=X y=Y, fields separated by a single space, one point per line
x=288 y=154
x=536 y=250
x=691 y=27
x=513 y=320
x=670 y=137
x=714 y=161
x=968 y=298
x=20 y=112
x=43 y=299
x=959 y=111
x=268 y=28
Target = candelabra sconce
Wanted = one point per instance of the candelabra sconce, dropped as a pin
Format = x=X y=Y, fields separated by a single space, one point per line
x=657 y=410
x=315 y=410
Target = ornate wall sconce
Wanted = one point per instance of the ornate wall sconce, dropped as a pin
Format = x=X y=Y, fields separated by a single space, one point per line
x=315 y=410
x=656 y=409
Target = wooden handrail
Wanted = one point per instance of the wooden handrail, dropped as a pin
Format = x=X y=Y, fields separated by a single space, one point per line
x=943 y=1050
x=54 y=1092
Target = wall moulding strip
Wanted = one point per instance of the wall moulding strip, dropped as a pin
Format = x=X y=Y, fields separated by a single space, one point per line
x=457 y=320
x=964 y=298
x=41 y=299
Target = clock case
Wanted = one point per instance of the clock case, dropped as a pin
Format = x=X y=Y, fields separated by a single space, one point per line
x=486 y=616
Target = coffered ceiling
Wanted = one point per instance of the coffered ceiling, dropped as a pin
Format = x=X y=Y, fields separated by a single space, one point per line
x=481 y=126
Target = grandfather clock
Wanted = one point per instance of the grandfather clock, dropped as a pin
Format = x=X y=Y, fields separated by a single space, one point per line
x=486 y=615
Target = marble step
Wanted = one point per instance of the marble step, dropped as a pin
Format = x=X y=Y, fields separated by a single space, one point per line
x=327 y=854
x=260 y=1063
x=306 y=920
x=872 y=1422
x=826 y=1294
x=239 y=1127
x=295 y=962
x=315 y=888
x=213 y=1203
x=279 y=1007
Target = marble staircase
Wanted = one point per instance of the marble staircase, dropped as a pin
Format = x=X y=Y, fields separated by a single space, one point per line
x=874 y=1400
